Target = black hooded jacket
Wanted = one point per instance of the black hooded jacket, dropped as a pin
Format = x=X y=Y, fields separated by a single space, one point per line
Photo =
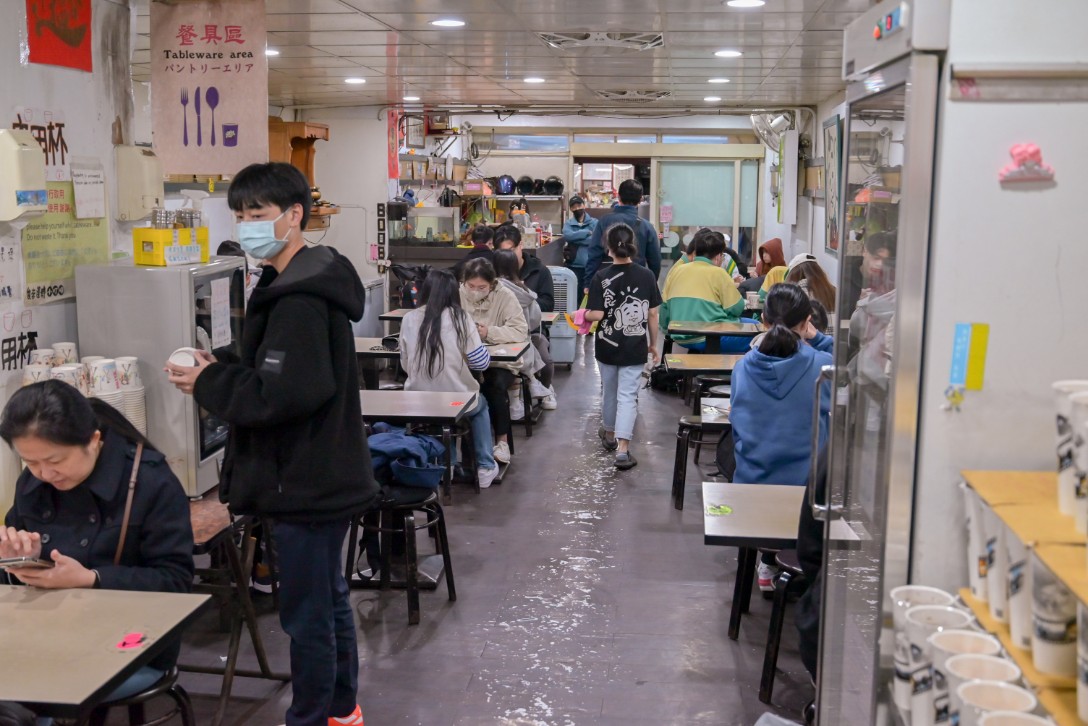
x=297 y=448
x=538 y=278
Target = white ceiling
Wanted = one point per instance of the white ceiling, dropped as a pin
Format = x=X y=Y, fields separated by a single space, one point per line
x=792 y=52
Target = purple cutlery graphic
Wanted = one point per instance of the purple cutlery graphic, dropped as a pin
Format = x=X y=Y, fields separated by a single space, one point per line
x=212 y=97
x=196 y=107
x=185 y=115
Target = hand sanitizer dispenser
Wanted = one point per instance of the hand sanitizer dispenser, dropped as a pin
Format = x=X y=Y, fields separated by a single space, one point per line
x=139 y=182
x=22 y=176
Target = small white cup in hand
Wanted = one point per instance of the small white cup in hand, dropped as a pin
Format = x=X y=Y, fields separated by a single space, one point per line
x=185 y=357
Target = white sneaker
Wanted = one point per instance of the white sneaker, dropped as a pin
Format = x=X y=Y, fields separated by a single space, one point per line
x=550 y=402
x=538 y=389
x=501 y=452
x=517 y=407
x=487 y=476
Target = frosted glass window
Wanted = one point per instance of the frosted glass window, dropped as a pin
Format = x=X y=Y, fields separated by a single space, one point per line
x=530 y=142
x=701 y=193
x=637 y=139
x=695 y=139
x=749 y=192
x=594 y=138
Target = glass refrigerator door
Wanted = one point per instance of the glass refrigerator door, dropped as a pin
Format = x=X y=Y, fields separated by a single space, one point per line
x=889 y=131
x=219 y=302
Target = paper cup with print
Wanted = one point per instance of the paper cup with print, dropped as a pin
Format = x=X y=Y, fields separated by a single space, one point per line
x=43 y=356
x=1054 y=623
x=947 y=644
x=87 y=360
x=70 y=374
x=1078 y=431
x=960 y=669
x=903 y=599
x=982 y=697
x=128 y=372
x=1013 y=718
x=1067 y=482
x=922 y=622
x=997 y=565
x=104 y=376
x=35 y=373
x=65 y=353
x=1019 y=589
x=976 y=544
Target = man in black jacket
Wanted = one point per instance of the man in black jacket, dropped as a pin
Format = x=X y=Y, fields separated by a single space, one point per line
x=626 y=212
x=297 y=452
x=534 y=273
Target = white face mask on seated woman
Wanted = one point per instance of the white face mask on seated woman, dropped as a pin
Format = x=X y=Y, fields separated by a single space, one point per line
x=476 y=290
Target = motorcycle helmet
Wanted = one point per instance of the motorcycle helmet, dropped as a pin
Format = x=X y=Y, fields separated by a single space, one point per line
x=538 y=186
x=552 y=185
x=525 y=185
x=505 y=184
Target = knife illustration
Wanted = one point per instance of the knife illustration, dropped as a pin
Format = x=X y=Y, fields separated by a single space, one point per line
x=196 y=105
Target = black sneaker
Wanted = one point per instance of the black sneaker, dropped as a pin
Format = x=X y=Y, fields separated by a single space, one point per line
x=609 y=444
x=625 y=461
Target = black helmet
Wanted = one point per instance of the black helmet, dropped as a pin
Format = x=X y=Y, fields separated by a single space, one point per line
x=538 y=186
x=552 y=185
x=505 y=184
x=525 y=185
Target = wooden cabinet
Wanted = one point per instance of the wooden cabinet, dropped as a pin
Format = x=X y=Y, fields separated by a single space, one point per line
x=293 y=142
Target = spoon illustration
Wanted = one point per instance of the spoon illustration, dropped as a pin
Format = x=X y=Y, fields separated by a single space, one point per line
x=212 y=97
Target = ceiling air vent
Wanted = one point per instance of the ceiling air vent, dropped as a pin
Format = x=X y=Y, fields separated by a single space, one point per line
x=634 y=96
x=608 y=41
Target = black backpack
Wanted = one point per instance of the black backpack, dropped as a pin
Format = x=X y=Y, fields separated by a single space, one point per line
x=662 y=379
x=410 y=279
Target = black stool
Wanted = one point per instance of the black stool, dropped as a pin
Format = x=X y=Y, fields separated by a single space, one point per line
x=165 y=686
x=790 y=580
x=722 y=391
x=702 y=384
x=689 y=426
x=388 y=513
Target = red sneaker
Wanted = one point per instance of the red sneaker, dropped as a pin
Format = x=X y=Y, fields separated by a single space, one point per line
x=355 y=718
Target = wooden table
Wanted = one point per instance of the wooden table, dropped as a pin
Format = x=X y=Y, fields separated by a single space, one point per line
x=507 y=352
x=61 y=658
x=395 y=315
x=549 y=318
x=372 y=348
x=763 y=515
x=714 y=332
x=690 y=364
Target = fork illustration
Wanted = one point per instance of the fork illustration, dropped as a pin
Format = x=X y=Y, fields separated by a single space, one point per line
x=185 y=115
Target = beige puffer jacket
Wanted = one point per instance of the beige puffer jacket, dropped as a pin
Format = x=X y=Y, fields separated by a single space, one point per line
x=501 y=313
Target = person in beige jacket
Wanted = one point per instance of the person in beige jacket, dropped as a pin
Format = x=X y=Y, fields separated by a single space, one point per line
x=499 y=320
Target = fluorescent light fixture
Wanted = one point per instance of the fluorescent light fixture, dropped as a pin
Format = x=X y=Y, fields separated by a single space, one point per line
x=354 y=81
x=728 y=54
x=454 y=23
x=717 y=80
x=746 y=3
x=534 y=79
x=411 y=98
x=271 y=51
x=712 y=99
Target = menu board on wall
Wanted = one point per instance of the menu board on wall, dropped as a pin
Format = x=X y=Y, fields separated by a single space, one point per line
x=209 y=81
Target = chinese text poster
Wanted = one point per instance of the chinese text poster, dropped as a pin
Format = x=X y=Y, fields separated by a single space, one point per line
x=59 y=32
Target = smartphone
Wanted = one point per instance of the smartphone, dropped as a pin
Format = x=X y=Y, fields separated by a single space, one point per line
x=27 y=562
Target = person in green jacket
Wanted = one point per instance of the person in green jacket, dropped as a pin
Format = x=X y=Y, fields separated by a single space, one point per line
x=701 y=290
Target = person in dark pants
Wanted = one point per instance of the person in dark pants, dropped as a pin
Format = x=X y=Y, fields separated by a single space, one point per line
x=626 y=212
x=297 y=453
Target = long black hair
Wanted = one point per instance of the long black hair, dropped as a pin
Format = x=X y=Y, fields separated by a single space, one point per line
x=506 y=266
x=621 y=241
x=439 y=294
x=57 y=412
x=787 y=306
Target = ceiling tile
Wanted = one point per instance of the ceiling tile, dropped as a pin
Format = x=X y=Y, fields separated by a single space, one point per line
x=281 y=63
x=336 y=37
x=322 y=21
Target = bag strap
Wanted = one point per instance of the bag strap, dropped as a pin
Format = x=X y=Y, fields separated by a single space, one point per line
x=128 y=504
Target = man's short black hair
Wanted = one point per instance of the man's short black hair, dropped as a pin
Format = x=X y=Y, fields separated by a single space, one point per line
x=708 y=243
x=881 y=241
x=481 y=235
x=508 y=232
x=630 y=192
x=274 y=184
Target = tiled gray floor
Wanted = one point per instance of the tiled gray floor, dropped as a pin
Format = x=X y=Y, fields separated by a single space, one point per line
x=583 y=598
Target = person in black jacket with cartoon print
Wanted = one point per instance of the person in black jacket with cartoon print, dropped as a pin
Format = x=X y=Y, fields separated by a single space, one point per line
x=297 y=451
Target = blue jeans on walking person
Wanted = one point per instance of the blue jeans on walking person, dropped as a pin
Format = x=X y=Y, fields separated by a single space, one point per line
x=620 y=386
x=482 y=439
x=316 y=614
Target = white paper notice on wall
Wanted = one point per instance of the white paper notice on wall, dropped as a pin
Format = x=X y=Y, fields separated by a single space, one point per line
x=89 y=185
x=221 y=336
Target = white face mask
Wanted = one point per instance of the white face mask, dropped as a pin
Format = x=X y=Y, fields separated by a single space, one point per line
x=476 y=296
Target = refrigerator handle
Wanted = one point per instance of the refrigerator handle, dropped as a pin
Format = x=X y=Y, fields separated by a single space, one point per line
x=821 y=512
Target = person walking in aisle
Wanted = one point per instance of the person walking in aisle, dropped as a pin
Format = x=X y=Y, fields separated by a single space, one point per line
x=577 y=231
x=647 y=244
x=297 y=452
x=625 y=299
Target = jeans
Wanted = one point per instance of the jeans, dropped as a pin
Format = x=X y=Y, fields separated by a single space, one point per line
x=495 y=389
x=620 y=385
x=316 y=614
x=544 y=348
x=483 y=441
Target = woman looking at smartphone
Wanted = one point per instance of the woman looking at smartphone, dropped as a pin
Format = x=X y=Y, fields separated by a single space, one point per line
x=70 y=504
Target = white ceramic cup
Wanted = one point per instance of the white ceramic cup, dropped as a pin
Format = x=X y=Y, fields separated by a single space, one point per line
x=947 y=644
x=1054 y=623
x=1019 y=588
x=128 y=371
x=1067 y=475
x=1013 y=718
x=104 y=376
x=903 y=599
x=922 y=622
x=982 y=697
x=65 y=353
x=1082 y=662
x=997 y=565
x=184 y=357
x=976 y=543
x=35 y=372
x=43 y=356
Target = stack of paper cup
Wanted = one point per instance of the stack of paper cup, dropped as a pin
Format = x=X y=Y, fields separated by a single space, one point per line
x=1078 y=425
x=1054 y=620
x=87 y=360
x=1082 y=662
x=1067 y=479
x=43 y=356
x=982 y=697
x=997 y=565
x=71 y=374
x=903 y=599
x=945 y=645
x=105 y=384
x=968 y=667
x=65 y=353
x=35 y=373
x=976 y=543
x=132 y=392
x=1019 y=588
x=922 y=622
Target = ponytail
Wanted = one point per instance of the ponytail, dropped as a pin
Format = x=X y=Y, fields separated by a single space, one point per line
x=779 y=342
x=787 y=306
x=621 y=241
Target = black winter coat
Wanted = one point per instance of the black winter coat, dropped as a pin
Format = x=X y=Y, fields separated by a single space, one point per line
x=297 y=449
x=538 y=278
x=85 y=523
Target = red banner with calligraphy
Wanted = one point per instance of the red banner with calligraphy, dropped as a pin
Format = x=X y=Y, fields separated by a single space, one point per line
x=209 y=85
x=59 y=32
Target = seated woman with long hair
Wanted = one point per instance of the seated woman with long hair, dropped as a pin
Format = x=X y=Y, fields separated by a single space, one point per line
x=439 y=349
x=813 y=280
x=70 y=503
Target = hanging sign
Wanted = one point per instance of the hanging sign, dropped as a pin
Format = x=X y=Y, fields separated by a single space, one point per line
x=209 y=73
x=58 y=32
